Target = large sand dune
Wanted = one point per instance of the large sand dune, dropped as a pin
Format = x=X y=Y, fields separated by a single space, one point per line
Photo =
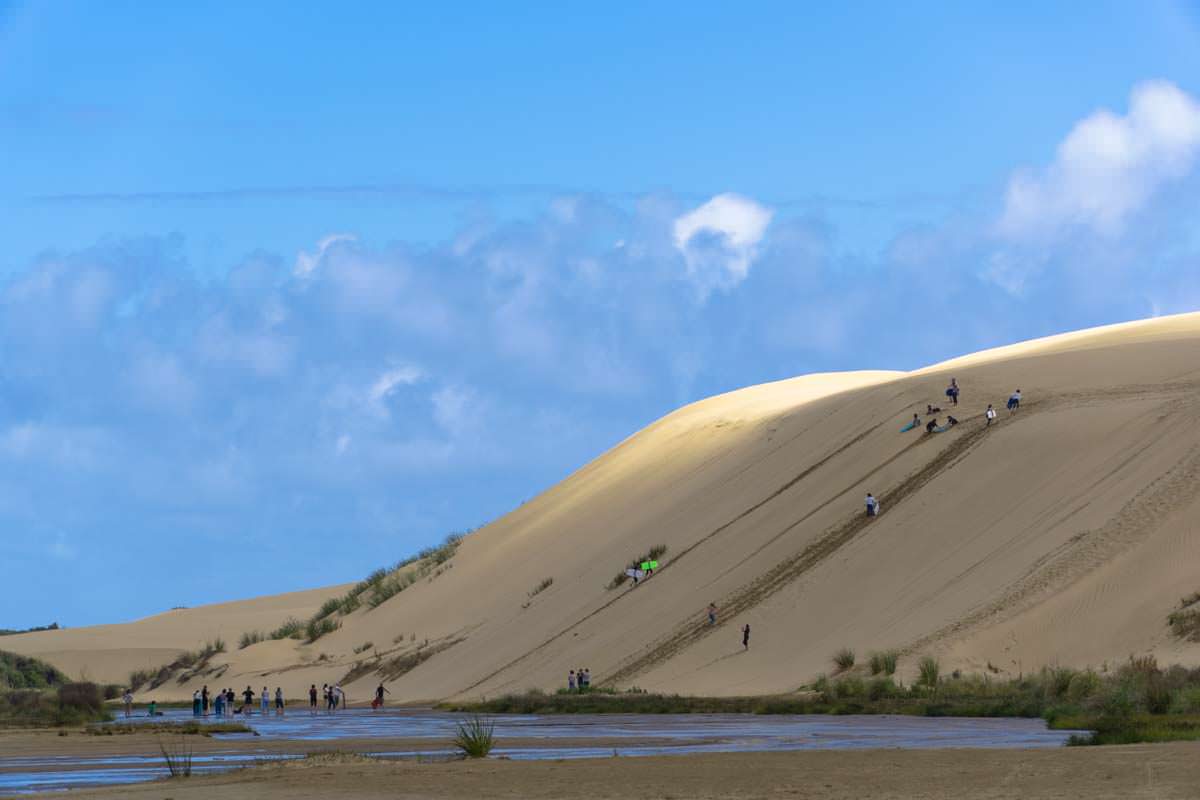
x=1063 y=534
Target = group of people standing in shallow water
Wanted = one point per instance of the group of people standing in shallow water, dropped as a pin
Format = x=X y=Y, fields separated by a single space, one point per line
x=1014 y=405
x=225 y=702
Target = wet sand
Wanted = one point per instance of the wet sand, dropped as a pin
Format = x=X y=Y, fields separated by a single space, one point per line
x=1137 y=771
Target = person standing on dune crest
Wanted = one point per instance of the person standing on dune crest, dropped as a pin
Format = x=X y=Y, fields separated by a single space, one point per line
x=746 y=637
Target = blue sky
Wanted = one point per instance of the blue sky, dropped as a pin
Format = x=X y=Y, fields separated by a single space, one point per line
x=296 y=291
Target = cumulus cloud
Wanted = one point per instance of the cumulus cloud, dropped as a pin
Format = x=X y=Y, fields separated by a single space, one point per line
x=1108 y=167
x=719 y=240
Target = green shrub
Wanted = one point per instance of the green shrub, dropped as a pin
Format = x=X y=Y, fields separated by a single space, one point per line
x=883 y=663
x=292 y=628
x=850 y=686
x=881 y=688
x=1082 y=686
x=844 y=659
x=24 y=672
x=929 y=671
x=475 y=737
x=318 y=627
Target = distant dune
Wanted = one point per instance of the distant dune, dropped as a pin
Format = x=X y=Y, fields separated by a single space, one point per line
x=1063 y=534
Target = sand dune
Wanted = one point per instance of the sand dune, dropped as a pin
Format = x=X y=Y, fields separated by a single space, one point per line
x=1063 y=534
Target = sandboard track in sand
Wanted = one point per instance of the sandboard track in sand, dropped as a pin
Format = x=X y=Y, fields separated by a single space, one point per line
x=751 y=594
x=1088 y=550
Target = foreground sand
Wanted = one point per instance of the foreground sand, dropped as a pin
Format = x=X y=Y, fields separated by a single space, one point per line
x=1062 y=535
x=1141 y=771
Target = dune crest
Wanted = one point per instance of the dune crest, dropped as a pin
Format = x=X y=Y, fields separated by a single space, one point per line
x=1064 y=533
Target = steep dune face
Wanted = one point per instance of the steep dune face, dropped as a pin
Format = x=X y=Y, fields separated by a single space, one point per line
x=1062 y=534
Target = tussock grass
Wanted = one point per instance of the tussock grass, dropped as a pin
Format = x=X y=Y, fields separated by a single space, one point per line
x=653 y=554
x=190 y=663
x=930 y=672
x=1185 y=620
x=475 y=737
x=844 y=659
x=318 y=627
x=364 y=647
x=545 y=584
x=292 y=628
x=883 y=663
x=251 y=638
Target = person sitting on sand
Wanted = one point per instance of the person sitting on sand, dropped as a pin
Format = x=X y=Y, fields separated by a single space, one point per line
x=990 y=414
x=930 y=410
x=951 y=420
x=929 y=426
x=872 y=505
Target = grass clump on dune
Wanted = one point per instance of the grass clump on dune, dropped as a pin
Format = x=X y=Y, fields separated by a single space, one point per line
x=381 y=585
x=191 y=663
x=883 y=663
x=1185 y=621
x=251 y=638
x=844 y=659
x=292 y=628
x=653 y=554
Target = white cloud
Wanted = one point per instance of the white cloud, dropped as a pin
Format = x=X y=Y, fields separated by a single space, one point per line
x=306 y=261
x=454 y=409
x=1108 y=166
x=719 y=240
x=389 y=381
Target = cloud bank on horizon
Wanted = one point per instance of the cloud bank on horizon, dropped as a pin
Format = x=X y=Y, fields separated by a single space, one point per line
x=301 y=404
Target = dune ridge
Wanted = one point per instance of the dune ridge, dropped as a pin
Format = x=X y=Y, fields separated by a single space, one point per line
x=1061 y=534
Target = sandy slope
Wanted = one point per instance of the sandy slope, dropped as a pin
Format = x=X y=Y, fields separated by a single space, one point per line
x=1064 y=534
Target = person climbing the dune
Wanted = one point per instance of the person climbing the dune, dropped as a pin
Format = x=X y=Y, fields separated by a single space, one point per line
x=952 y=390
x=872 y=505
x=746 y=637
x=1014 y=402
x=712 y=613
x=951 y=421
x=929 y=426
x=990 y=414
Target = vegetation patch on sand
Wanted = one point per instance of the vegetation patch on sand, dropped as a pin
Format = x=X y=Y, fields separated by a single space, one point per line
x=24 y=672
x=187 y=728
x=191 y=663
x=1135 y=702
x=69 y=705
x=653 y=554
